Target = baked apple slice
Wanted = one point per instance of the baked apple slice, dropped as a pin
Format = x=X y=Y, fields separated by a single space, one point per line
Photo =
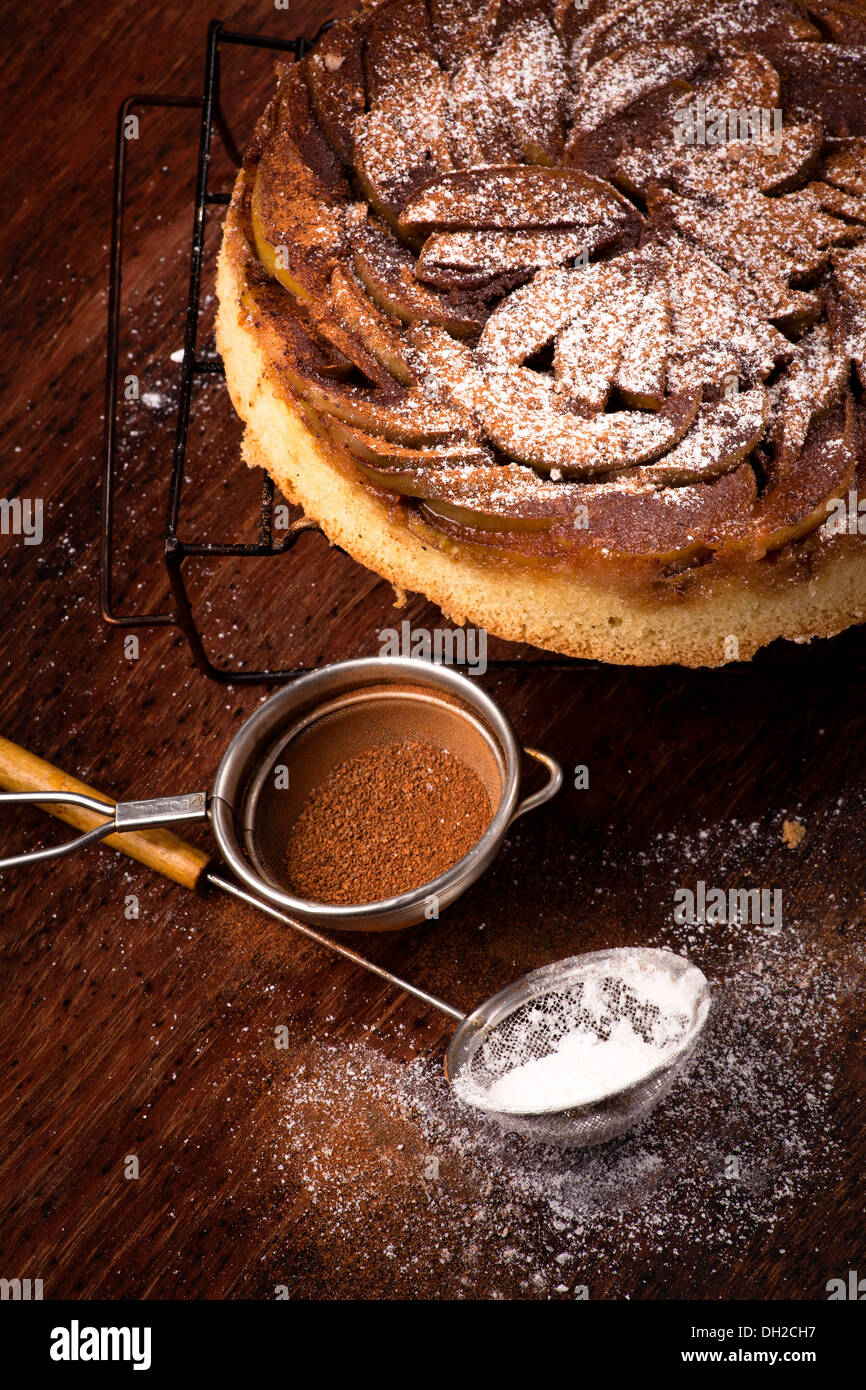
x=762 y=243
x=509 y=516
x=299 y=231
x=386 y=453
x=645 y=121
x=299 y=348
x=665 y=526
x=458 y=27
x=563 y=444
x=403 y=139
x=452 y=365
x=536 y=314
x=822 y=81
x=587 y=354
x=406 y=416
x=844 y=20
x=400 y=145
x=525 y=412
x=724 y=433
x=513 y=197
x=500 y=497
x=504 y=505
x=359 y=315
x=737 y=164
x=850 y=206
x=616 y=520
x=527 y=78
x=672 y=525
x=297 y=120
x=746 y=80
x=303 y=272
x=618 y=81
x=386 y=270
x=325 y=323
x=399 y=54
x=752 y=23
x=642 y=372
x=473 y=260
x=334 y=72
x=409 y=419
x=404 y=482
x=845 y=168
x=800 y=487
x=491 y=138
x=810 y=388
x=849 y=274
x=719 y=330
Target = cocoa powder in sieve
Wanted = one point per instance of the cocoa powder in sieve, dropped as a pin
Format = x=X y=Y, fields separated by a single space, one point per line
x=385 y=822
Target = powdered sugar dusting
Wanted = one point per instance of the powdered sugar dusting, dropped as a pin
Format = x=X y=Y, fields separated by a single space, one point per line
x=490 y=144
x=504 y=1218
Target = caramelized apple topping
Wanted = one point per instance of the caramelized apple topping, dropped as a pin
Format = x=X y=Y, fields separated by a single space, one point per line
x=591 y=273
x=512 y=197
x=849 y=271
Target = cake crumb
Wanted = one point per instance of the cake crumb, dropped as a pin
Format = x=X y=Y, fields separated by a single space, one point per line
x=793 y=833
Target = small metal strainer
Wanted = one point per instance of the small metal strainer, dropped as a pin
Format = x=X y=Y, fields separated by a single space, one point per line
x=523 y=1022
x=661 y=999
x=292 y=742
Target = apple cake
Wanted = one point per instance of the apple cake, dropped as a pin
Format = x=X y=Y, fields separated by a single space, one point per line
x=555 y=312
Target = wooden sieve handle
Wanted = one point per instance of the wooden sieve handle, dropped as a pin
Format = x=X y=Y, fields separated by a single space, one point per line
x=159 y=849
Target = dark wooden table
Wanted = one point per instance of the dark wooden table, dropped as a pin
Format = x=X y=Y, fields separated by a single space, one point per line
x=337 y=1165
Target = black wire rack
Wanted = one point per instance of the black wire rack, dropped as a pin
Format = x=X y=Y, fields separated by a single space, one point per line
x=177 y=548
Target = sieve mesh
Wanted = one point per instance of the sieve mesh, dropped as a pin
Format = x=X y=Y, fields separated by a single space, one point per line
x=305 y=754
x=594 y=1005
x=654 y=999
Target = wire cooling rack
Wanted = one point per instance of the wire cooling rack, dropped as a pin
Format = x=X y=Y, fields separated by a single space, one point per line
x=177 y=547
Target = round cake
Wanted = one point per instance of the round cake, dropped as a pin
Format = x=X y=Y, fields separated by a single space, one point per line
x=555 y=312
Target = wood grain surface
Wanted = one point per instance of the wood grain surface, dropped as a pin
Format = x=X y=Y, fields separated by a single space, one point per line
x=334 y=1165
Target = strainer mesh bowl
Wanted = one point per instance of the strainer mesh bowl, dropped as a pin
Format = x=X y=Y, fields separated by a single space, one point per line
x=535 y=1029
x=594 y=994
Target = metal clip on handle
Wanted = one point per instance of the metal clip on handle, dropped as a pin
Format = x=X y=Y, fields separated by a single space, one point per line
x=550 y=788
x=121 y=817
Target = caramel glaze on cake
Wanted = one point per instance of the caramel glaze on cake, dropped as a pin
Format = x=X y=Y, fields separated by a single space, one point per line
x=520 y=343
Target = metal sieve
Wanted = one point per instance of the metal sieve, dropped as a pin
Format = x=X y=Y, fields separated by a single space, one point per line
x=292 y=742
x=524 y=1021
x=323 y=715
x=325 y=718
x=662 y=998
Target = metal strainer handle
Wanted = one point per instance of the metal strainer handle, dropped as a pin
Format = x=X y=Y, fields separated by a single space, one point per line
x=227 y=885
x=123 y=817
x=550 y=788
x=128 y=827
